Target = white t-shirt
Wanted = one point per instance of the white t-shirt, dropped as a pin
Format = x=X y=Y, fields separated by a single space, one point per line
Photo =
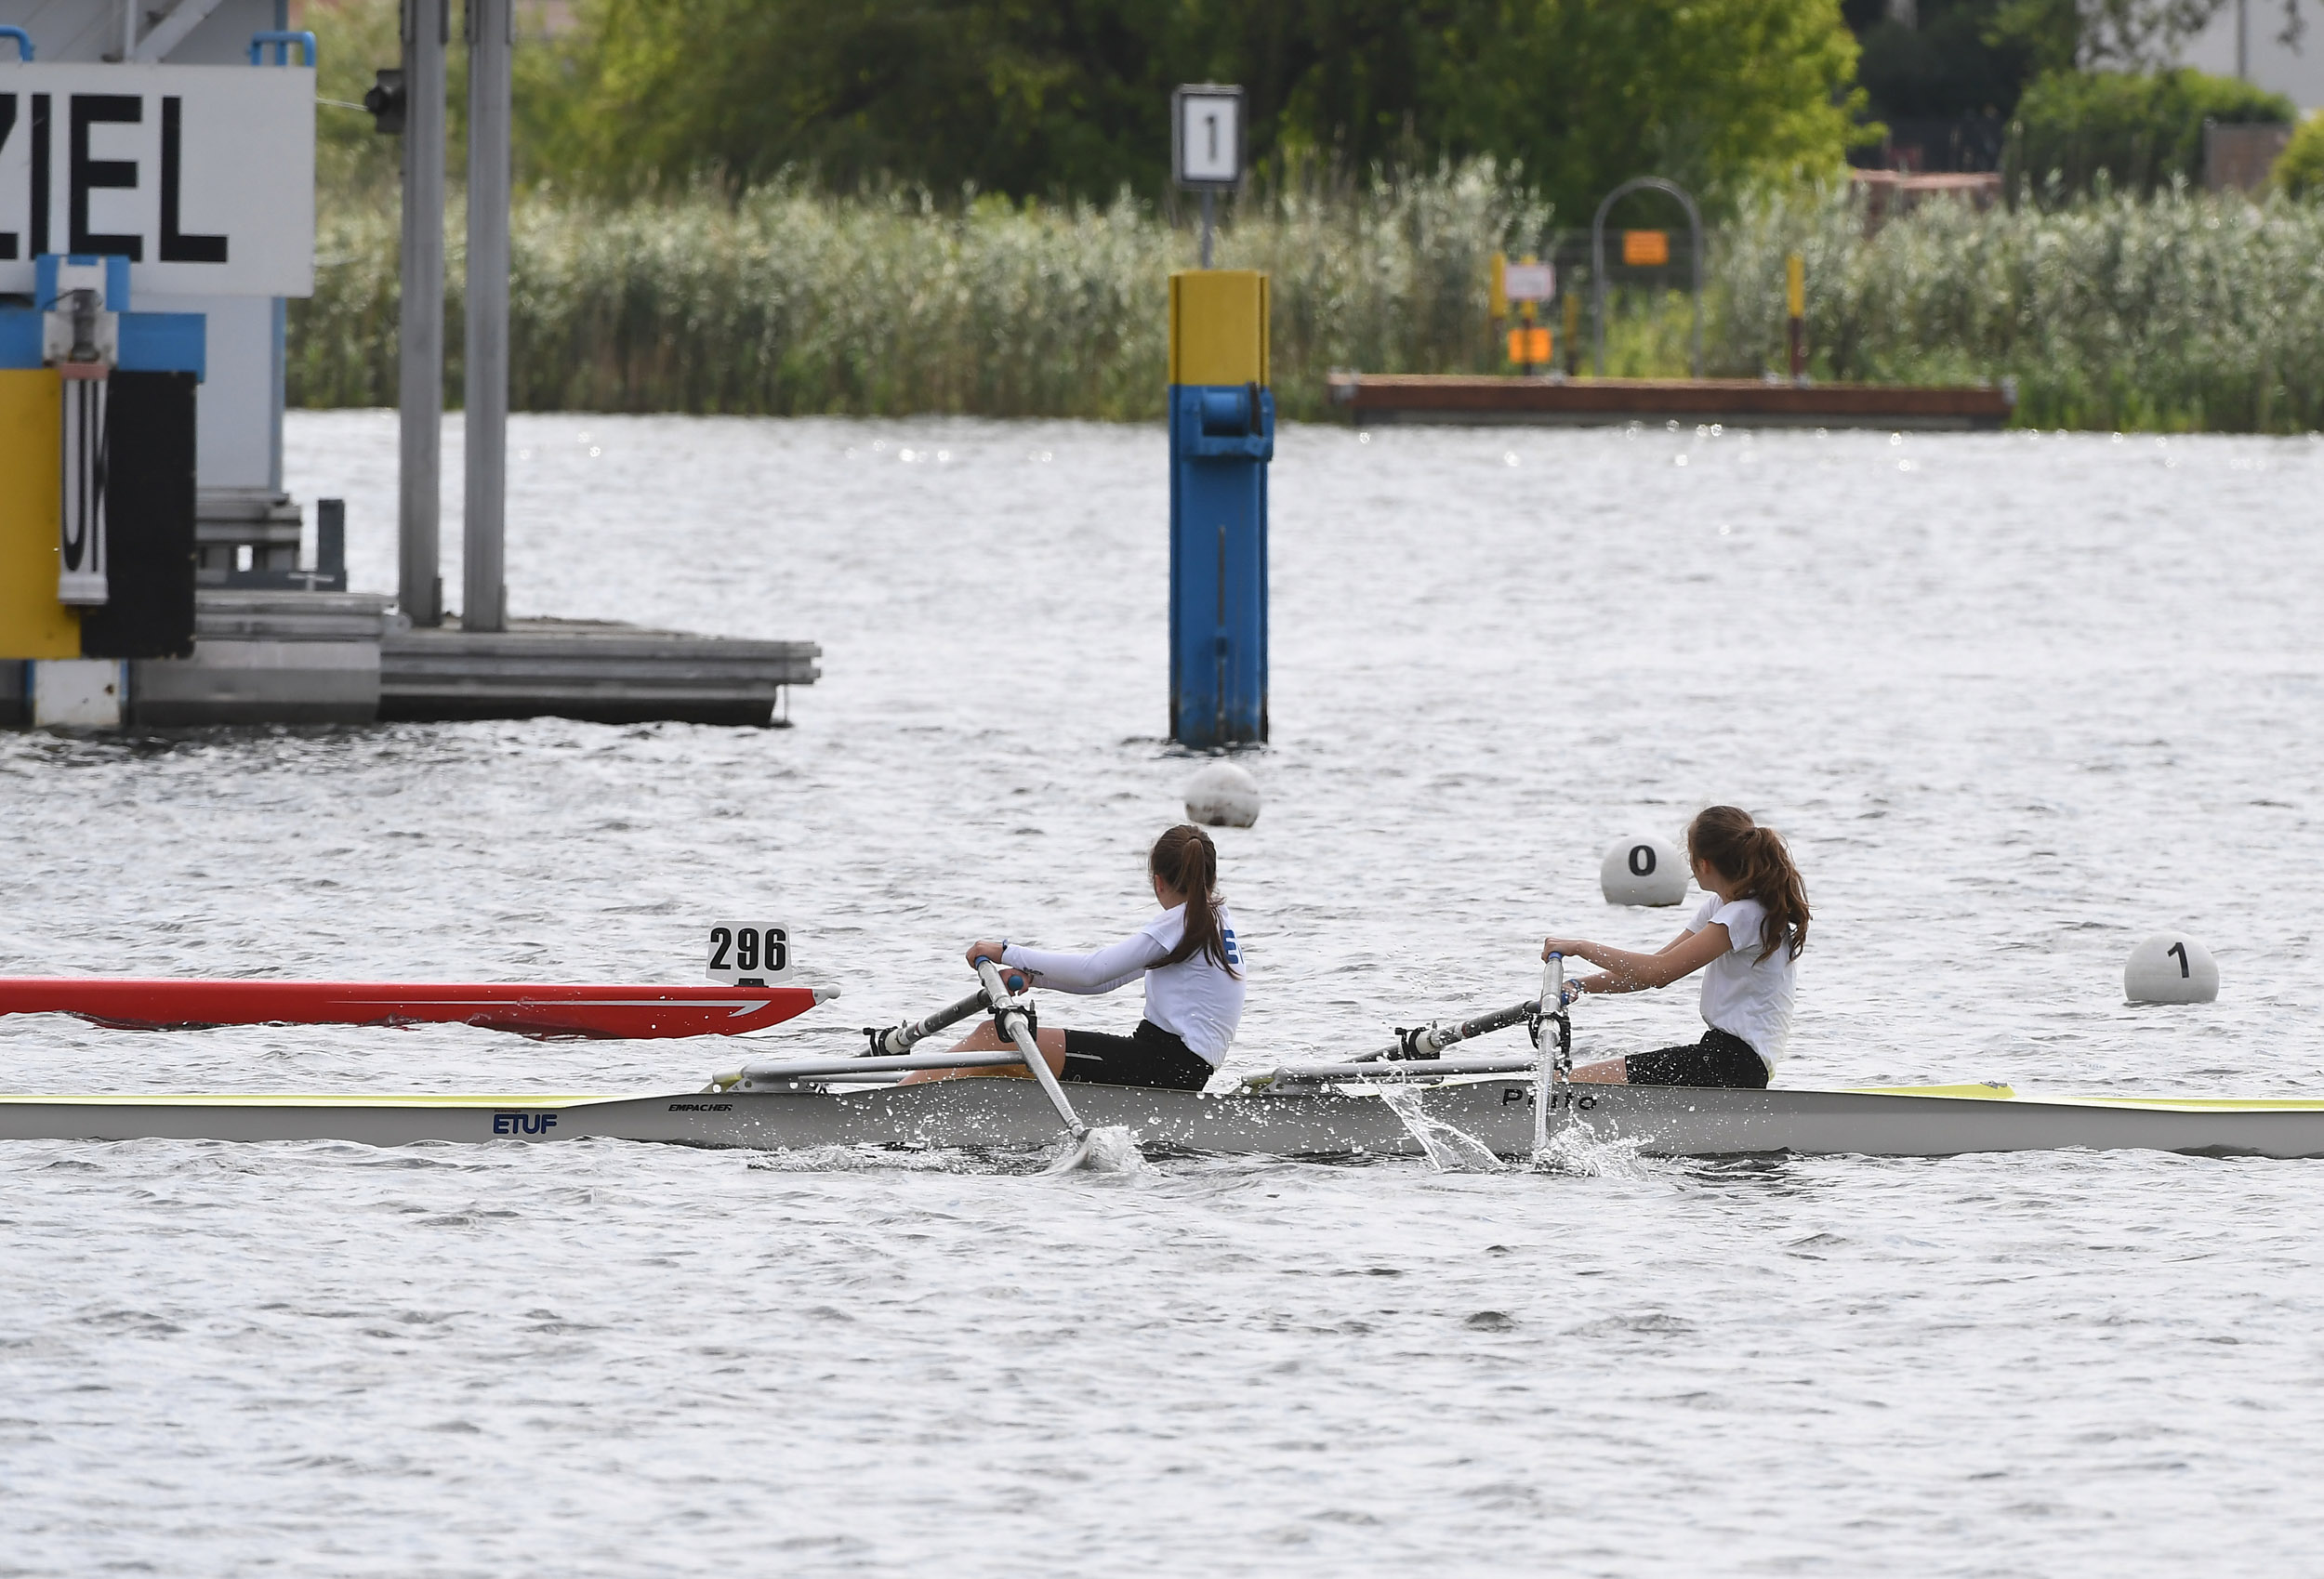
x=1743 y=994
x=1194 y=1000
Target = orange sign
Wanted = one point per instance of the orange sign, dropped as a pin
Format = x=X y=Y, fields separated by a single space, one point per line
x=1645 y=249
x=1529 y=346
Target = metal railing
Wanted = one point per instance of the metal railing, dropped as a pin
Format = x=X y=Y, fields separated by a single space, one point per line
x=1597 y=258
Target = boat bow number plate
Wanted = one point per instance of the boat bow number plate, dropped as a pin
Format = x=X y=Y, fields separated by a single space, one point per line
x=749 y=957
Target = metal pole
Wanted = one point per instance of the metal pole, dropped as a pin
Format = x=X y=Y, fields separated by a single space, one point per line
x=1695 y=230
x=492 y=37
x=419 y=374
x=1209 y=198
x=2243 y=36
x=1597 y=282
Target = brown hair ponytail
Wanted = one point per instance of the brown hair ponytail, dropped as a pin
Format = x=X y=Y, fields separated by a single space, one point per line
x=1188 y=863
x=1755 y=858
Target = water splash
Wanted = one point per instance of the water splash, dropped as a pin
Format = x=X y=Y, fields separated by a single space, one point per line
x=1576 y=1152
x=1449 y=1148
x=1108 y=1148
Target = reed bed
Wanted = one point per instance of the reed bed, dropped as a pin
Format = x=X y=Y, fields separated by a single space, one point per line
x=2181 y=311
x=790 y=301
x=2178 y=311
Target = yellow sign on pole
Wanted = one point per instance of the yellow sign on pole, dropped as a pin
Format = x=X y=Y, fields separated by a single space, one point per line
x=1645 y=249
x=32 y=623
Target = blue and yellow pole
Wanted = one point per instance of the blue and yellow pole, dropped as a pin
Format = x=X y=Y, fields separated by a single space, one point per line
x=1223 y=434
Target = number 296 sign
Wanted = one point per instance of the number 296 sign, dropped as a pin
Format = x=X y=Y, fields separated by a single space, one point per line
x=749 y=955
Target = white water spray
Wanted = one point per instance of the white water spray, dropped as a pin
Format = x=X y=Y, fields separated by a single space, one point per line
x=1449 y=1148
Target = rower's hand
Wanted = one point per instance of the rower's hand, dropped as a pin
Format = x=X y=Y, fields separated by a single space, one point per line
x=1572 y=948
x=985 y=949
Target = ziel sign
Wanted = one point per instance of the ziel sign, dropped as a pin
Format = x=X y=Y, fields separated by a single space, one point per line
x=202 y=176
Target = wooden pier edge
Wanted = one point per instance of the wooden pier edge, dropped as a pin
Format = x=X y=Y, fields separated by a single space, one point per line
x=1379 y=398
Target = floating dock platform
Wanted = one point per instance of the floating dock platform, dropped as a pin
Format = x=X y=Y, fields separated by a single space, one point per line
x=286 y=656
x=1377 y=399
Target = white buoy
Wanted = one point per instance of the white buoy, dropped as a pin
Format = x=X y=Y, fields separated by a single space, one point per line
x=2170 y=967
x=1643 y=870
x=1223 y=795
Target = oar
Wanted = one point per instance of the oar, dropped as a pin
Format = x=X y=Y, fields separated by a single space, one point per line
x=897 y=1040
x=1556 y=1062
x=1008 y=1017
x=1428 y=1041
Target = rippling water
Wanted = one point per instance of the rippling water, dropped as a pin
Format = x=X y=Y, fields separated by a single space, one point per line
x=2017 y=700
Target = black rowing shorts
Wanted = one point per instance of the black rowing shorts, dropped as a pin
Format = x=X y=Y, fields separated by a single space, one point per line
x=1150 y=1056
x=1721 y=1059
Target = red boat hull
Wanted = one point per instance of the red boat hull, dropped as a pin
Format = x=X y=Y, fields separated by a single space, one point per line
x=523 y=1008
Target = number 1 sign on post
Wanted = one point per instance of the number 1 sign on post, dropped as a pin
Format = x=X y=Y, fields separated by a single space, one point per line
x=1207 y=145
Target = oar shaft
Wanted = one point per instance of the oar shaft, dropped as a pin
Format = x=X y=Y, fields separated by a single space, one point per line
x=1014 y=1026
x=1427 y=1042
x=1550 y=1068
x=897 y=1040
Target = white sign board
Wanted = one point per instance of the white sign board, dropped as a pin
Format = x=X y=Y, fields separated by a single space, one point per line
x=1207 y=135
x=203 y=177
x=1529 y=282
x=757 y=956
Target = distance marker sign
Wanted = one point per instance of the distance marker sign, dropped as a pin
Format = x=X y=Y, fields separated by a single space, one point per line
x=203 y=177
x=1207 y=135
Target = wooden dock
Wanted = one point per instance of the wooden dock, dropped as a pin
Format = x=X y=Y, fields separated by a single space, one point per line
x=1377 y=399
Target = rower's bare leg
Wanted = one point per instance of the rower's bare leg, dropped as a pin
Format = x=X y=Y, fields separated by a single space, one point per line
x=1611 y=1073
x=984 y=1039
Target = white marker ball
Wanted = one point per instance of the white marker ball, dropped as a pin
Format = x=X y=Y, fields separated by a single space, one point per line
x=1643 y=870
x=2171 y=969
x=1223 y=795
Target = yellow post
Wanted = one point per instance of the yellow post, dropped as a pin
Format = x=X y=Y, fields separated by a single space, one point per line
x=1219 y=327
x=1795 y=296
x=32 y=623
x=1499 y=297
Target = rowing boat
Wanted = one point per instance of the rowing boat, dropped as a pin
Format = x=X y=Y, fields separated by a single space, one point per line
x=528 y=1009
x=1300 y=1119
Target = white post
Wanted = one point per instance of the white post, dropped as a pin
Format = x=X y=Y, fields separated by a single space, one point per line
x=419 y=373
x=492 y=39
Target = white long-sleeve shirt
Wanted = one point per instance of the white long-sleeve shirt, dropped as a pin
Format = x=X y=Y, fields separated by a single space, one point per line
x=1194 y=1000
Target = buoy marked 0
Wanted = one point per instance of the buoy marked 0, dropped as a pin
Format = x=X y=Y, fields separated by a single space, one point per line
x=1643 y=870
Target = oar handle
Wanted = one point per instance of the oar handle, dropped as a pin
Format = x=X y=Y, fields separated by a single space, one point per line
x=1009 y=1017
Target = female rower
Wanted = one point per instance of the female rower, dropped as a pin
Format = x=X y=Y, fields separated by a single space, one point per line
x=1193 y=971
x=1745 y=940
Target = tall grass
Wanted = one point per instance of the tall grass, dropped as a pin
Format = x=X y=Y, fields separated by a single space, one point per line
x=2177 y=311
x=792 y=301
x=2180 y=311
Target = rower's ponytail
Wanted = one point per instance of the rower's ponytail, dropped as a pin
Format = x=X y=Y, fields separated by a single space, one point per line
x=1186 y=860
x=1756 y=859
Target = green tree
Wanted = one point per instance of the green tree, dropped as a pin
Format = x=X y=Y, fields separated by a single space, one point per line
x=2138 y=131
x=2299 y=170
x=1070 y=98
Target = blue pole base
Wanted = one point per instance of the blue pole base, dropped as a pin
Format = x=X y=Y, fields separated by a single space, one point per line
x=1222 y=440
